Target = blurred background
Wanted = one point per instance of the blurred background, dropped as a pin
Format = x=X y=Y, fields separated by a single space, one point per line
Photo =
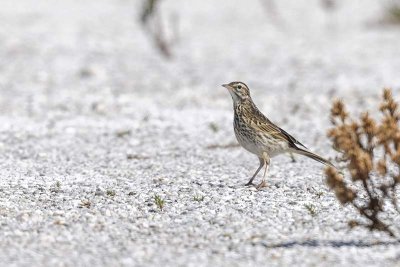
x=120 y=56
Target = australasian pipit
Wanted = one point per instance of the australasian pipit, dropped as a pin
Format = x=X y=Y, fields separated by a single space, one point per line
x=258 y=135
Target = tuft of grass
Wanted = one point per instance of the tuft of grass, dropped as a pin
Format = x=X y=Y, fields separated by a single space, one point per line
x=159 y=202
x=56 y=187
x=198 y=198
x=110 y=193
x=213 y=126
x=311 y=209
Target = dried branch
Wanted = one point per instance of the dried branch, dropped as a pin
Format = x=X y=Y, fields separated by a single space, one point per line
x=152 y=23
x=368 y=148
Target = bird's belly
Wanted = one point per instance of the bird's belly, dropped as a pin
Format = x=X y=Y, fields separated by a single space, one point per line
x=259 y=144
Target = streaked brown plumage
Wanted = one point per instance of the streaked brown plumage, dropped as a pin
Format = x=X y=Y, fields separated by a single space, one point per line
x=258 y=135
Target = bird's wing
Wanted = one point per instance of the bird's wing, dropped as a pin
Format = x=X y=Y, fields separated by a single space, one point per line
x=264 y=124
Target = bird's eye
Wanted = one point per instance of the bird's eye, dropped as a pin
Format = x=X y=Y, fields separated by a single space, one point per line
x=239 y=86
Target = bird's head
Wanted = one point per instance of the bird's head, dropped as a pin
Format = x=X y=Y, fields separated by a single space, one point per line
x=238 y=90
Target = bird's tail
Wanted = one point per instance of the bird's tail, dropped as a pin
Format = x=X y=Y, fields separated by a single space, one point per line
x=313 y=156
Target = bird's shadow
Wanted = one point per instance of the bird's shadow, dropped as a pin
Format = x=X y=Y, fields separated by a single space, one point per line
x=314 y=243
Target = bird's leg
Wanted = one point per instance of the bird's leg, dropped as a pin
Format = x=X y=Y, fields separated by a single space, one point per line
x=250 y=182
x=263 y=182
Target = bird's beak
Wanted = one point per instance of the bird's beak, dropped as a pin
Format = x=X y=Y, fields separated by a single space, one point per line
x=227 y=86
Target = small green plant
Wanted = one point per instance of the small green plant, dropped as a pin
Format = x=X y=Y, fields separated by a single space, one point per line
x=159 y=202
x=213 y=126
x=56 y=187
x=311 y=209
x=198 y=198
x=110 y=193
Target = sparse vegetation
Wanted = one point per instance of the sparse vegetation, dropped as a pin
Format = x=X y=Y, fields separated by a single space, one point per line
x=56 y=187
x=110 y=192
x=198 y=198
x=371 y=153
x=311 y=209
x=213 y=126
x=159 y=202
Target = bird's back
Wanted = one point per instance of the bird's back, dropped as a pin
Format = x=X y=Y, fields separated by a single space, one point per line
x=256 y=133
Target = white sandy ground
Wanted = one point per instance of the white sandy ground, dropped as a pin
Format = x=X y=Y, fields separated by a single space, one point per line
x=94 y=124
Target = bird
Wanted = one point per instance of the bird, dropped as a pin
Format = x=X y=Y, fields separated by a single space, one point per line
x=258 y=135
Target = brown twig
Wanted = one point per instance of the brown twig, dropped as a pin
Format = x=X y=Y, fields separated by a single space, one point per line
x=152 y=23
x=358 y=143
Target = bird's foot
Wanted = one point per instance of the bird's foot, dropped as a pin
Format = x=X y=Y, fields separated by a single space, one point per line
x=262 y=185
x=249 y=184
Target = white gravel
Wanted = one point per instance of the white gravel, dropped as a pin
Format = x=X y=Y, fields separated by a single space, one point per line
x=94 y=124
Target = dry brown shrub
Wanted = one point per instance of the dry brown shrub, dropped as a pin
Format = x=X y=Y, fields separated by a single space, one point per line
x=370 y=150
